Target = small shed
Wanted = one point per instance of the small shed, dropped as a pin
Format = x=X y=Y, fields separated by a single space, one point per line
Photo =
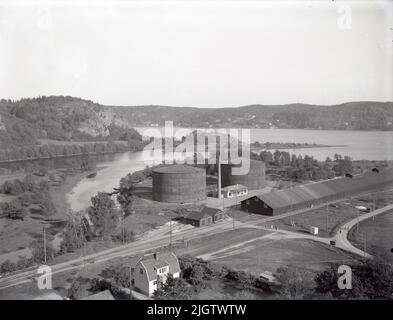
x=216 y=214
x=314 y=230
x=199 y=218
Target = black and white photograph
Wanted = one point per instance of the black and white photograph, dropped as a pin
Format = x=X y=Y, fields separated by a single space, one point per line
x=207 y=150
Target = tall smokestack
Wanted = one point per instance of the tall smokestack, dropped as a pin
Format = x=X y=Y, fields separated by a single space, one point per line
x=219 y=174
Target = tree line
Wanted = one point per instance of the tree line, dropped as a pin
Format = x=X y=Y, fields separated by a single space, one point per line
x=304 y=167
x=48 y=151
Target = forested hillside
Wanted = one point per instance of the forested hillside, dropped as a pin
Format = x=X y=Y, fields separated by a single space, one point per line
x=62 y=118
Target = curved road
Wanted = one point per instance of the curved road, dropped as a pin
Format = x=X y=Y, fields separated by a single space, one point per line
x=341 y=237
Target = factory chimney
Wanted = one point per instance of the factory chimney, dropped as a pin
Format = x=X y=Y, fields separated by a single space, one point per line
x=219 y=175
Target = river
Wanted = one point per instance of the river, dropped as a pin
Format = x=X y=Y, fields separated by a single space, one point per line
x=367 y=145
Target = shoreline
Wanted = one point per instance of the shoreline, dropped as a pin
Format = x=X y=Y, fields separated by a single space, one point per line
x=284 y=146
x=60 y=194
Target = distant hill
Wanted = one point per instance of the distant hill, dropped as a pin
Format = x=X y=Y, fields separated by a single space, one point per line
x=73 y=119
x=60 y=118
x=347 y=116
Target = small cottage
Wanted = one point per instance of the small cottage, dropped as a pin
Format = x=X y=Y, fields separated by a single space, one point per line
x=236 y=190
x=151 y=271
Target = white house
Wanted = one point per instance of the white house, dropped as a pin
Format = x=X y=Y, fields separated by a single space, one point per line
x=152 y=270
x=236 y=190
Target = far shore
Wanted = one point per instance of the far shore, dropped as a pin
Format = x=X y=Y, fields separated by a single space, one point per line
x=257 y=146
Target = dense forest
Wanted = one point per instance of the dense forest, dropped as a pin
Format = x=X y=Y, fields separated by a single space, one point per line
x=39 y=128
x=25 y=121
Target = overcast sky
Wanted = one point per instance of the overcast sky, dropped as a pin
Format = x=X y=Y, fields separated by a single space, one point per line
x=200 y=53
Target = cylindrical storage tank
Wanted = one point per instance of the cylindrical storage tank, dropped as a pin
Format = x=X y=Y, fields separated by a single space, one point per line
x=179 y=183
x=254 y=179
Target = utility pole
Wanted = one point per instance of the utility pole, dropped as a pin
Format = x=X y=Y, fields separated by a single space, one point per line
x=44 y=245
x=83 y=245
x=219 y=174
x=365 y=243
x=130 y=270
x=373 y=208
x=327 y=219
x=170 y=234
x=122 y=228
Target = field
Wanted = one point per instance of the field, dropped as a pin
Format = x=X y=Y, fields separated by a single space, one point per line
x=17 y=235
x=329 y=218
x=256 y=251
x=375 y=236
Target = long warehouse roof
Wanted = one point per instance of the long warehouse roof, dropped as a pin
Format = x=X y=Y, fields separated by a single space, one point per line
x=328 y=188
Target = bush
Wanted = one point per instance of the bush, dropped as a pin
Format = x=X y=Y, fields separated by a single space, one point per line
x=24 y=263
x=74 y=234
x=38 y=254
x=8 y=266
x=129 y=236
x=175 y=289
x=14 y=210
x=104 y=215
x=371 y=279
x=98 y=285
x=119 y=273
x=79 y=288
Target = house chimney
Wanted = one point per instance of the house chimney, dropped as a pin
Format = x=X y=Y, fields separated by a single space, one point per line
x=156 y=256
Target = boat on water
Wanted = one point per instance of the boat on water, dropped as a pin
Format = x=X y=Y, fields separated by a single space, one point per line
x=92 y=175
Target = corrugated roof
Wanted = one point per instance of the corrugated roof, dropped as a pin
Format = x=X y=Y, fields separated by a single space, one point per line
x=178 y=168
x=319 y=190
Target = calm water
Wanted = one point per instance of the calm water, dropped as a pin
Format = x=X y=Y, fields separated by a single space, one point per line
x=360 y=145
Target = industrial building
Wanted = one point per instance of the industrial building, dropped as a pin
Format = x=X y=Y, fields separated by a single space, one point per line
x=309 y=195
x=253 y=180
x=179 y=184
